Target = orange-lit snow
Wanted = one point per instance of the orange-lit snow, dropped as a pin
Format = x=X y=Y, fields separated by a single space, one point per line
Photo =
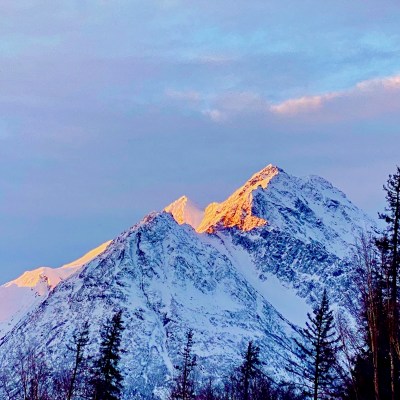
x=236 y=210
x=19 y=296
x=185 y=212
x=54 y=275
x=88 y=256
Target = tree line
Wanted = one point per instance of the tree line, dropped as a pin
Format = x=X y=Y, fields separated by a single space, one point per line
x=316 y=372
x=373 y=348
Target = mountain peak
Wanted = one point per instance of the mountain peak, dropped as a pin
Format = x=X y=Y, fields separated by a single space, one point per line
x=237 y=209
x=310 y=208
x=185 y=211
x=260 y=178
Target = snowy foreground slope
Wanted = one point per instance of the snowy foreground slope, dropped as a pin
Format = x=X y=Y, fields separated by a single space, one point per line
x=248 y=270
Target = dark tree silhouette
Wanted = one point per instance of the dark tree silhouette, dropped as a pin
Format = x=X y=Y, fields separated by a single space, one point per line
x=107 y=380
x=80 y=341
x=389 y=243
x=317 y=350
x=184 y=384
x=249 y=370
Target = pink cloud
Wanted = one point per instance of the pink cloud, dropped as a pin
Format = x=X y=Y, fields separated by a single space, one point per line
x=374 y=96
x=301 y=104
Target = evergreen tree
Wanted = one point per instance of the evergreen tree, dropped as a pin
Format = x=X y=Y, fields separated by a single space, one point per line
x=107 y=382
x=80 y=341
x=249 y=370
x=317 y=350
x=184 y=384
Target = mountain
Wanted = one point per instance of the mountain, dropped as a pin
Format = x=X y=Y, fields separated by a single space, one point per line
x=310 y=208
x=23 y=294
x=301 y=230
x=244 y=269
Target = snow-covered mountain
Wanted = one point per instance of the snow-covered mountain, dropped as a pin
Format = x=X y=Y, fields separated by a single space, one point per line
x=23 y=294
x=310 y=208
x=243 y=269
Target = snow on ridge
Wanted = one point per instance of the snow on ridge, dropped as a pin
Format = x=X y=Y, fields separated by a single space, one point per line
x=22 y=294
x=236 y=210
x=309 y=207
x=88 y=256
x=54 y=275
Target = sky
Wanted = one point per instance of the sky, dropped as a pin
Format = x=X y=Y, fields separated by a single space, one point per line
x=112 y=109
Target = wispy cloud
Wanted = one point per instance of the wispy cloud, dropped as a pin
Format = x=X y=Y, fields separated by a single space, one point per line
x=301 y=104
x=371 y=90
x=216 y=115
x=374 y=96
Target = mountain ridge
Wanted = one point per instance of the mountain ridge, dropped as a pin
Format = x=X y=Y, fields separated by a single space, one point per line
x=20 y=295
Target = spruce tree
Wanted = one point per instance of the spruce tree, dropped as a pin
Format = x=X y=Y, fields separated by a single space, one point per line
x=107 y=382
x=317 y=351
x=184 y=384
x=80 y=341
x=249 y=370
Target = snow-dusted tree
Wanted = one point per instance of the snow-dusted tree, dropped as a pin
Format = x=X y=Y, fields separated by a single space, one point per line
x=107 y=380
x=318 y=350
x=184 y=383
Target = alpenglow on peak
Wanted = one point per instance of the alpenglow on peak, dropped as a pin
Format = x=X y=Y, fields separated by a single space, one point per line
x=185 y=211
x=310 y=208
x=235 y=211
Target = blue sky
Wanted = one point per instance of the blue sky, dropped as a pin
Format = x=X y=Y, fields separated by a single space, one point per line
x=112 y=109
